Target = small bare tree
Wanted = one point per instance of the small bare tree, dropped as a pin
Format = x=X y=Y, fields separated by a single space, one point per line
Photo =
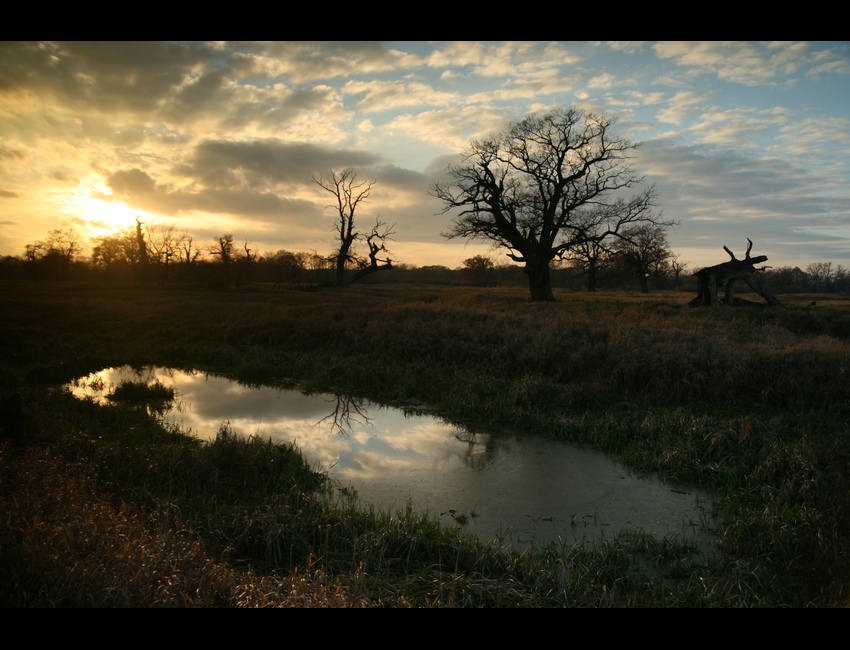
x=643 y=251
x=349 y=195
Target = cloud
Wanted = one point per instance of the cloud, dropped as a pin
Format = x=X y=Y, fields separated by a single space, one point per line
x=306 y=61
x=383 y=95
x=628 y=47
x=266 y=181
x=220 y=163
x=132 y=182
x=752 y=64
x=504 y=59
x=9 y=157
x=453 y=128
x=739 y=126
x=724 y=197
x=602 y=81
x=679 y=106
x=140 y=191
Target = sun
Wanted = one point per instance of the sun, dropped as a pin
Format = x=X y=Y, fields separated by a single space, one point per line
x=94 y=209
x=104 y=217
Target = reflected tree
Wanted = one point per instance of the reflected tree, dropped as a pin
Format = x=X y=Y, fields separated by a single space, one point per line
x=347 y=410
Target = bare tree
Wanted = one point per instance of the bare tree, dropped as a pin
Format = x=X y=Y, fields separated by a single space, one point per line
x=223 y=250
x=287 y=267
x=349 y=195
x=643 y=251
x=55 y=255
x=591 y=251
x=677 y=268
x=245 y=264
x=530 y=189
x=141 y=249
x=162 y=244
x=820 y=275
x=189 y=253
x=115 y=254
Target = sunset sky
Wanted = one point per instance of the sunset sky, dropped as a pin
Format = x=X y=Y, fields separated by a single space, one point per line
x=742 y=139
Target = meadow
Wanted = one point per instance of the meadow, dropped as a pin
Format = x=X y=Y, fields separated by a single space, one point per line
x=106 y=507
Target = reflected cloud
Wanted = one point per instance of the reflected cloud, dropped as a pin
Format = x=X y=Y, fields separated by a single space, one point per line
x=538 y=489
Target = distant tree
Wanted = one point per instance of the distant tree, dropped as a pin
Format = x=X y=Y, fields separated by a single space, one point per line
x=222 y=250
x=841 y=279
x=429 y=274
x=287 y=267
x=189 y=253
x=643 y=251
x=11 y=267
x=677 y=268
x=591 y=251
x=785 y=279
x=141 y=252
x=115 y=255
x=820 y=276
x=245 y=264
x=162 y=244
x=54 y=256
x=531 y=188
x=478 y=271
x=66 y=243
x=350 y=265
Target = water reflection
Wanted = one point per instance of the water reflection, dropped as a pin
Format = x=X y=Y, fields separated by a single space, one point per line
x=518 y=489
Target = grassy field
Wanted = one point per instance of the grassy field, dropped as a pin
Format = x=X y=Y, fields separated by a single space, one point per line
x=104 y=506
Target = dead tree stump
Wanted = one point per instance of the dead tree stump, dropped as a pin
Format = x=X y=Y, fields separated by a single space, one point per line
x=722 y=276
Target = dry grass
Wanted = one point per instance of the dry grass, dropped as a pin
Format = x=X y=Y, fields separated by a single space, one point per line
x=752 y=402
x=65 y=544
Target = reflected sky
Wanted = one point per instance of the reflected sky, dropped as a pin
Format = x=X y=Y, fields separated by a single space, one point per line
x=516 y=489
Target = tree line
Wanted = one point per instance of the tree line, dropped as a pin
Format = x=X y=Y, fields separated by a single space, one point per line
x=162 y=255
x=554 y=193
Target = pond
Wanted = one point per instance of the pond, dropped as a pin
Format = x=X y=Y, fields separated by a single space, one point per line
x=506 y=489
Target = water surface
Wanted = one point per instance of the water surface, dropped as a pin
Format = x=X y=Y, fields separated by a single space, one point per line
x=509 y=489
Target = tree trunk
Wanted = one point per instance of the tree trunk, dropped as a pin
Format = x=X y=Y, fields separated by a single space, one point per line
x=341 y=259
x=361 y=273
x=591 y=276
x=539 y=281
x=712 y=278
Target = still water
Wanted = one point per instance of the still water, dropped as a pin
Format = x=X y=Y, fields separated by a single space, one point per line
x=508 y=489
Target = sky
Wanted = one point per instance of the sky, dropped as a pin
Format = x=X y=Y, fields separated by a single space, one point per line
x=741 y=139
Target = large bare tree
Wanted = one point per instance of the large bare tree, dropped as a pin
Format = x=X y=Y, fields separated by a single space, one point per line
x=531 y=188
x=349 y=195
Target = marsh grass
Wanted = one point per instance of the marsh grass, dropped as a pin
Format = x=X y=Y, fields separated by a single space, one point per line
x=752 y=404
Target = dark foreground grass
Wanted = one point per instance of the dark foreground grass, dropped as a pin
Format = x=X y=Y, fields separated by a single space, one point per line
x=108 y=508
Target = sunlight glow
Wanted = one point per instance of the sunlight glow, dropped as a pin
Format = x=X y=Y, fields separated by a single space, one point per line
x=96 y=215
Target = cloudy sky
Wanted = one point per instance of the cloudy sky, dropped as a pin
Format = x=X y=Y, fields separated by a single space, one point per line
x=742 y=139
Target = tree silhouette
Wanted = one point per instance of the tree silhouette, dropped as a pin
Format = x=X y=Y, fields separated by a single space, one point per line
x=643 y=251
x=349 y=195
x=532 y=188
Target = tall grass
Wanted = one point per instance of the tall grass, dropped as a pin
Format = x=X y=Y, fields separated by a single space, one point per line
x=753 y=403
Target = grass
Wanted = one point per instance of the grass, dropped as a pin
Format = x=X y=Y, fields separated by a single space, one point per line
x=753 y=403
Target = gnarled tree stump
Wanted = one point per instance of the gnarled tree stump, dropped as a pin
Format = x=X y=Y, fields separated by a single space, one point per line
x=713 y=278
